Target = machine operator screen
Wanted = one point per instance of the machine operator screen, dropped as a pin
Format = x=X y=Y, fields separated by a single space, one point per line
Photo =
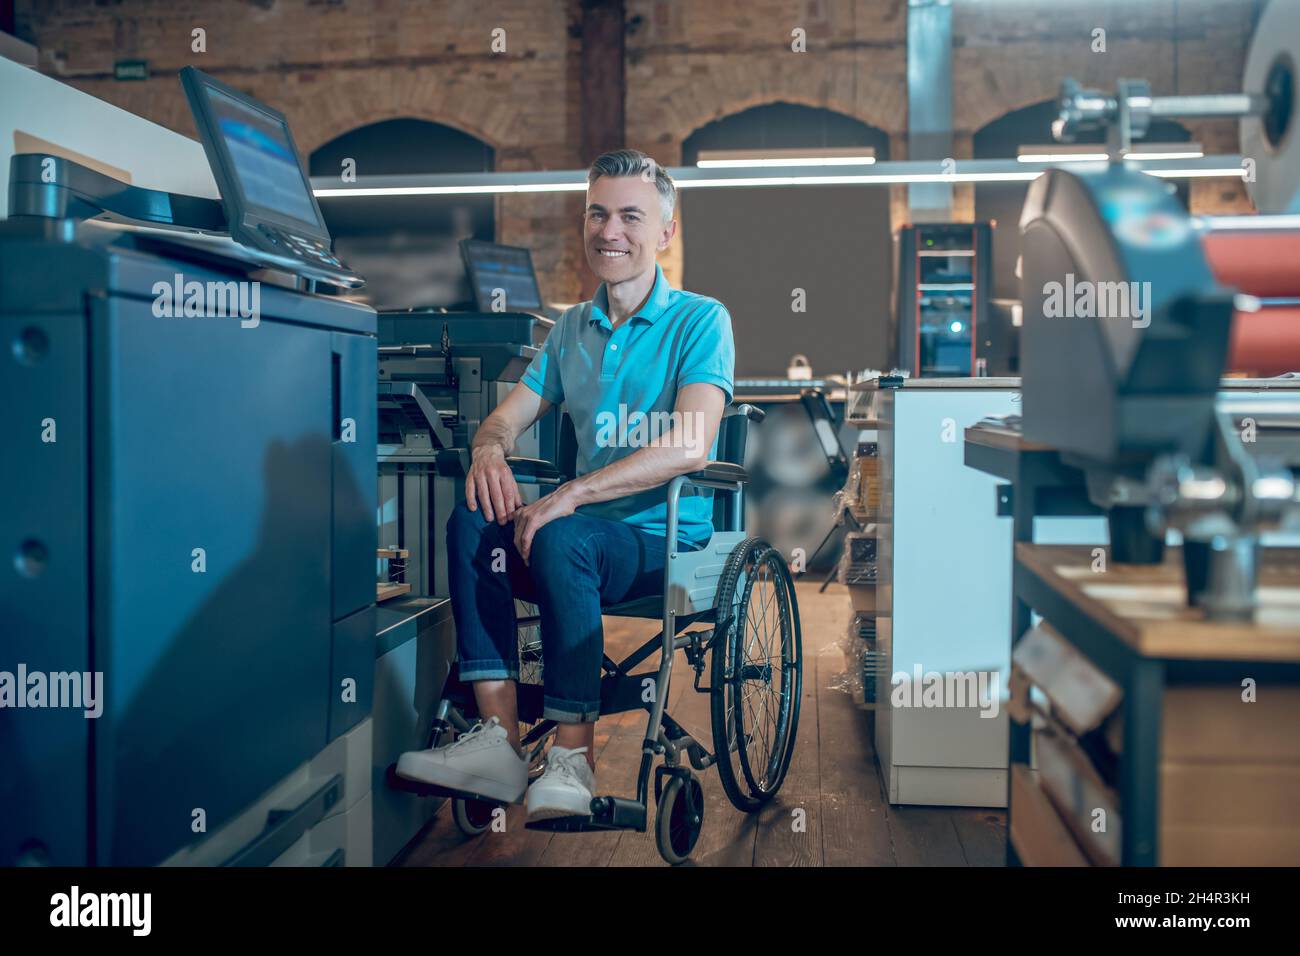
x=265 y=164
x=508 y=268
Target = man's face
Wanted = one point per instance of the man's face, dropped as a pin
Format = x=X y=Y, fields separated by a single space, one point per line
x=624 y=227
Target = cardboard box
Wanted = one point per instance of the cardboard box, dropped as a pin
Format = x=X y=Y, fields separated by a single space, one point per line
x=1038 y=834
x=1218 y=795
x=868 y=467
x=1081 y=694
x=1018 y=696
x=1086 y=804
x=1212 y=722
x=1229 y=846
x=862 y=596
x=1229 y=788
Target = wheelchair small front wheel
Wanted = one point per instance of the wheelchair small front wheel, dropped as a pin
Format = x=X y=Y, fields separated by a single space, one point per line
x=757 y=674
x=679 y=817
x=472 y=817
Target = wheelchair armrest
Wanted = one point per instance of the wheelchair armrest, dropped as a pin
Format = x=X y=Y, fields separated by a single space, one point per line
x=720 y=471
x=455 y=462
x=534 y=469
x=752 y=412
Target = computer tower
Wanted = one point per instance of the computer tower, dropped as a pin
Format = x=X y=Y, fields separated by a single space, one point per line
x=943 y=276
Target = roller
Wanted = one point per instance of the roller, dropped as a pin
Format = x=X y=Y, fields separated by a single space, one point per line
x=1262 y=261
x=1266 y=342
x=1260 y=256
x=1269 y=138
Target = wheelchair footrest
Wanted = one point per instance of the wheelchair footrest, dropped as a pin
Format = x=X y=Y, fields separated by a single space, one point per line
x=607 y=813
x=421 y=789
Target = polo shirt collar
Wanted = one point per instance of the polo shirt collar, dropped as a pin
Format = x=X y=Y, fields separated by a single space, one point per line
x=660 y=293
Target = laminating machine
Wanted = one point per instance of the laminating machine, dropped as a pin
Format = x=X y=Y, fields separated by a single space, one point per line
x=1135 y=312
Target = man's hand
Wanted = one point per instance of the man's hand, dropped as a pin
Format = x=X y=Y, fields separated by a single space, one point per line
x=532 y=518
x=491 y=484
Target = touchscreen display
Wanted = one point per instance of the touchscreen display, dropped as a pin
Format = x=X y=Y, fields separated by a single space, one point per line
x=265 y=164
x=494 y=267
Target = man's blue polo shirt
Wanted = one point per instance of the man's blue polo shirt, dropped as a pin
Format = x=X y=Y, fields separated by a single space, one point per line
x=618 y=386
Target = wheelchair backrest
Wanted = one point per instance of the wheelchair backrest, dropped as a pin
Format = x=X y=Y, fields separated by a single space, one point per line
x=733 y=438
x=733 y=435
x=566 y=455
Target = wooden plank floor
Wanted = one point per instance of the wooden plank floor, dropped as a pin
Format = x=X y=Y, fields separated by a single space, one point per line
x=831 y=810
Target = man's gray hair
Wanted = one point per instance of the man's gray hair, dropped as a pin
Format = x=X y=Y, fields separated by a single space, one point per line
x=633 y=162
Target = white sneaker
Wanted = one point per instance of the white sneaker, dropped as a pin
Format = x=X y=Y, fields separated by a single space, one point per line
x=566 y=787
x=480 y=761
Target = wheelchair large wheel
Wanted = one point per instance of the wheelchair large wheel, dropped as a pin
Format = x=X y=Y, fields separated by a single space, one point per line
x=530 y=672
x=530 y=645
x=757 y=674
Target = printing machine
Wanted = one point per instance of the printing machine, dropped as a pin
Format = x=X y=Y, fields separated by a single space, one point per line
x=189 y=496
x=191 y=502
x=440 y=374
x=189 y=517
x=1131 y=398
x=175 y=437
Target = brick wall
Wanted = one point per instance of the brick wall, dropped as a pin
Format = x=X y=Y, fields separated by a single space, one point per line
x=333 y=65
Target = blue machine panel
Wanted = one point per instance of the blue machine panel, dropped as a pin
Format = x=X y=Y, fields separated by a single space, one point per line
x=355 y=493
x=187 y=521
x=353 y=661
x=44 y=603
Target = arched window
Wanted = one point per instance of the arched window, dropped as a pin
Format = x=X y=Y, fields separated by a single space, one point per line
x=406 y=246
x=752 y=248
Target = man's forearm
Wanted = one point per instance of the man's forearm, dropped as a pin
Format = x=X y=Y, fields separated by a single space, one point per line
x=642 y=470
x=494 y=433
x=501 y=429
x=680 y=450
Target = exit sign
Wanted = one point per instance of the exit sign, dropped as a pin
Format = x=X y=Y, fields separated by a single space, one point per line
x=131 y=70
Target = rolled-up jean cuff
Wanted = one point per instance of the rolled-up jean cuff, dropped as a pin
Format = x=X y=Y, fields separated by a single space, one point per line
x=486 y=670
x=570 y=711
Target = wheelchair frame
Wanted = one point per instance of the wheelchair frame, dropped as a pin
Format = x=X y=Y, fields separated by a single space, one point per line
x=691 y=584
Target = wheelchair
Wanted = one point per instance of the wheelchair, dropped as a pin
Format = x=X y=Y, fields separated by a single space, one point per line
x=740 y=590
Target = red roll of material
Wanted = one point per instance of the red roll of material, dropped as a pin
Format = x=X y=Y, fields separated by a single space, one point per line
x=1265 y=343
x=1260 y=262
x=1264 y=262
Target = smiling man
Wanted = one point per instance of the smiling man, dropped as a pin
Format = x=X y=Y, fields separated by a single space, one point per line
x=639 y=349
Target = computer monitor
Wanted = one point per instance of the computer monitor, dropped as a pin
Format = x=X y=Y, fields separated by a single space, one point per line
x=253 y=159
x=502 y=277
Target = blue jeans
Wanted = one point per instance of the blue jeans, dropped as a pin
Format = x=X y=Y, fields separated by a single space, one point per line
x=578 y=564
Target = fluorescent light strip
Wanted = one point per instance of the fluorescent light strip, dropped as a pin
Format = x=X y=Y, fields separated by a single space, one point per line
x=741 y=181
x=1046 y=154
x=786 y=161
x=1098 y=157
x=806 y=157
x=485 y=189
x=886 y=178
x=1189 y=154
x=1229 y=173
x=1062 y=157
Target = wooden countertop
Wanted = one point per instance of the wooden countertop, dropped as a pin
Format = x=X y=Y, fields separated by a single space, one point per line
x=1002 y=438
x=1145 y=605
